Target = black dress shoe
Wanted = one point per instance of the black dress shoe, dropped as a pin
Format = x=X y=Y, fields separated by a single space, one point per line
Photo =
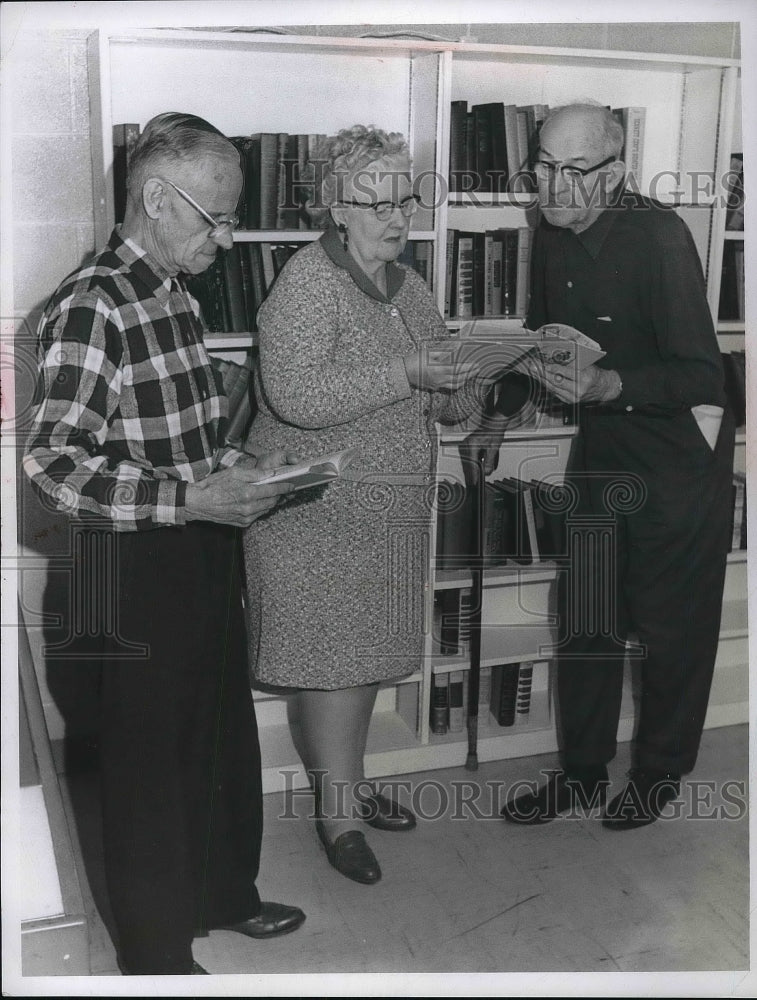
x=197 y=970
x=642 y=800
x=350 y=855
x=273 y=920
x=384 y=814
x=576 y=791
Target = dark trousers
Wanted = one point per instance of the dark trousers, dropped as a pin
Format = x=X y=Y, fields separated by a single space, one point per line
x=648 y=558
x=180 y=760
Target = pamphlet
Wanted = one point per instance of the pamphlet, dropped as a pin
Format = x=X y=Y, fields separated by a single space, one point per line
x=492 y=350
x=323 y=469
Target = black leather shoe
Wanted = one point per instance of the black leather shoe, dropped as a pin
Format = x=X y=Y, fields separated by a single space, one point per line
x=577 y=791
x=350 y=855
x=384 y=814
x=197 y=970
x=642 y=800
x=273 y=920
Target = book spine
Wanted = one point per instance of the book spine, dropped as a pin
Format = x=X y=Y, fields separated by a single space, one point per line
x=494 y=525
x=299 y=194
x=489 y=272
x=504 y=693
x=456 y=700
x=468 y=179
x=499 y=146
x=439 y=703
x=232 y=271
x=457 y=162
x=510 y=114
x=124 y=139
x=484 y=697
x=448 y=603
x=522 y=139
x=634 y=146
x=479 y=274
x=464 y=293
x=269 y=179
x=269 y=272
x=449 y=272
x=523 y=271
x=523 y=694
x=483 y=147
x=496 y=266
x=528 y=509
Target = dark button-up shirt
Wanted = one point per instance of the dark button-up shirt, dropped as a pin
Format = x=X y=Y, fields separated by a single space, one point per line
x=633 y=282
x=131 y=409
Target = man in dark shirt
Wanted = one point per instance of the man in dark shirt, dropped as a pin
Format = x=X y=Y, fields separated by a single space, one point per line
x=650 y=473
x=128 y=439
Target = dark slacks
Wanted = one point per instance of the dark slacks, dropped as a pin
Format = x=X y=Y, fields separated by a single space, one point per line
x=180 y=760
x=650 y=538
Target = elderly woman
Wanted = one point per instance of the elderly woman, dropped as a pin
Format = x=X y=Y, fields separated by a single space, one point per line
x=336 y=576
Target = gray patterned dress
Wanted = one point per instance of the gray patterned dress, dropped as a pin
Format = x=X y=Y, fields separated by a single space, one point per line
x=336 y=576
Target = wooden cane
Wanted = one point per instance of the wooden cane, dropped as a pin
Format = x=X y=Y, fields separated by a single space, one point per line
x=477 y=587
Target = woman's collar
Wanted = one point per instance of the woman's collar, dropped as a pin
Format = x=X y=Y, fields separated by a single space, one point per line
x=331 y=241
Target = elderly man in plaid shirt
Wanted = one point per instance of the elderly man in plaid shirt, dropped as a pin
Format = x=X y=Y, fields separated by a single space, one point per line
x=128 y=437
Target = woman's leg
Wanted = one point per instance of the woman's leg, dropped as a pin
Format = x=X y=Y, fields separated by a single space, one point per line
x=330 y=731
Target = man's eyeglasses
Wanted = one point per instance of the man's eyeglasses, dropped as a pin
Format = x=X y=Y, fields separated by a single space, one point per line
x=384 y=209
x=569 y=173
x=217 y=222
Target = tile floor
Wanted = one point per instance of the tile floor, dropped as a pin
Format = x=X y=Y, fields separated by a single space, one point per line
x=476 y=895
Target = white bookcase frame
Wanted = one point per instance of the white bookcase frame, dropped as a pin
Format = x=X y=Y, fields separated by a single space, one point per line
x=245 y=82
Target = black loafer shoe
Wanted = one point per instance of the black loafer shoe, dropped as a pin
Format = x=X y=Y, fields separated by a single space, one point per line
x=384 y=814
x=350 y=855
x=577 y=792
x=273 y=920
x=642 y=800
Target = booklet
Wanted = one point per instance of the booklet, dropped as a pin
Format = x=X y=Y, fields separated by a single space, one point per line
x=314 y=472
x=485 y=344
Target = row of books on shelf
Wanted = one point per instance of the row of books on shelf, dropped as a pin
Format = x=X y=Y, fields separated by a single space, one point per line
x=524 y=523
x=487 y=273
x=504 y=696
x=276 y=181
x=738 y=513
x=233 y=288
x=492 y=145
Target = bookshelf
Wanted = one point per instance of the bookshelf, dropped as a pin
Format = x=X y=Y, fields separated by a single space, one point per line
x=246 y=82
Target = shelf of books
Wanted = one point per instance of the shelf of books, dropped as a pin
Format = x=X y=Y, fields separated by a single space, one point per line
x=471 y=114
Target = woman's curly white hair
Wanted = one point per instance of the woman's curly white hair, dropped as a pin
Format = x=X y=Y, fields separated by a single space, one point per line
x=339 y=157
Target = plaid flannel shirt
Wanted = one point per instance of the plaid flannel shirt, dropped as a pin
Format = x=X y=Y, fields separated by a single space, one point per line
x=131 y=409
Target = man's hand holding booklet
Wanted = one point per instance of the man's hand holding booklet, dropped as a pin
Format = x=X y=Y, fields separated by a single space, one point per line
x=482 y=343
x=316 y=471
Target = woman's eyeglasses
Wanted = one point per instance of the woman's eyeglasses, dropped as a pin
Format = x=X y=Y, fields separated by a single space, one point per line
x=385 y=209
x=218 y=223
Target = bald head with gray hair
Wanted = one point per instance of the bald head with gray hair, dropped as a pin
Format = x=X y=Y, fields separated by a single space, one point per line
x=600 y=124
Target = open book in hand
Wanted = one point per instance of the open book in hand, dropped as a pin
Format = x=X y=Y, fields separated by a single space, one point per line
x=493 y=350
x=314 y=472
